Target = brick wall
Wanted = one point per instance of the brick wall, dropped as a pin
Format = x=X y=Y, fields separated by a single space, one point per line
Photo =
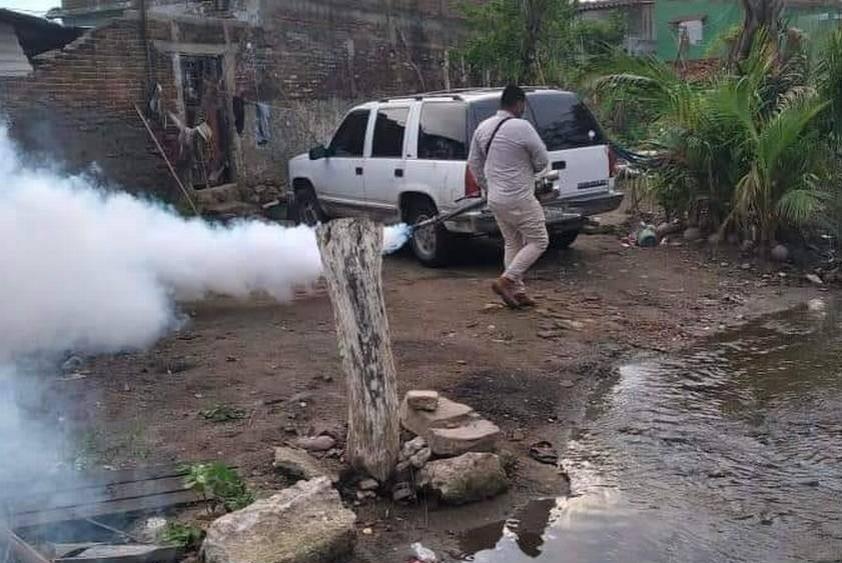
x=310 y=59
x=76 y=110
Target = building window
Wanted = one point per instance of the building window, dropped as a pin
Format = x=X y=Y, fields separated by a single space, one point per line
x=693 y=30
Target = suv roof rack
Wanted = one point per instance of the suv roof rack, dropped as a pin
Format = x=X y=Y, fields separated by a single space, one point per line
x=419 y=97
x=456 y=93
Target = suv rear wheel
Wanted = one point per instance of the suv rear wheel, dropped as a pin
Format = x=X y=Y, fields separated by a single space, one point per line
x=563 y=239
x=306 y=207
x=433 y=245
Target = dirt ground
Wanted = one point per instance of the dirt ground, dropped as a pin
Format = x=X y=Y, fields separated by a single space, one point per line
x=531 y=372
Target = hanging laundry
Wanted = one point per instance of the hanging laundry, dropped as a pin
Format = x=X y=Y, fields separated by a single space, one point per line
x=239 y=107
x=156 y=106
x=263 y=130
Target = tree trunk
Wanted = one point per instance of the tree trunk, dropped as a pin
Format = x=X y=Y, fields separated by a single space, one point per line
x=352 y=257
x=758 y=14
x=533 y=13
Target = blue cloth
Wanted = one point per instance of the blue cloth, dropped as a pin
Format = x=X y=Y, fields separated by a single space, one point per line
x=263 y=129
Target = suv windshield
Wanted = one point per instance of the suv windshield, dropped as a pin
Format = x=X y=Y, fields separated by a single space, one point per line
x=561 y=119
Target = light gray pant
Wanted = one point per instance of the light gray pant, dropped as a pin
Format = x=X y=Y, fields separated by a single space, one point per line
x=524 y=228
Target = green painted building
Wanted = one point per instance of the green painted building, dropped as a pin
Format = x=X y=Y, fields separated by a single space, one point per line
x=704 y=22
x=658 y=26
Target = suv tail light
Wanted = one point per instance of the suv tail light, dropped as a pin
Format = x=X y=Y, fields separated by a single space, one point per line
x=472 y=188
x=612 y=163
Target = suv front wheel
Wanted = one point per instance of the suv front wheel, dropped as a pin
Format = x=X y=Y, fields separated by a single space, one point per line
x=433 y=245
x=306 y=207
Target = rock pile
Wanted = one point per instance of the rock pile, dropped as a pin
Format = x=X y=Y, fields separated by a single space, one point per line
x=450 y=430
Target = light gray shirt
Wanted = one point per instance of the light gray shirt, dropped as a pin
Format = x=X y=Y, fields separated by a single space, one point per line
x=507 y=173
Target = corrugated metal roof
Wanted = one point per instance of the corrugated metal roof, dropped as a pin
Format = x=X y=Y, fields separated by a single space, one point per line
x=13 y=61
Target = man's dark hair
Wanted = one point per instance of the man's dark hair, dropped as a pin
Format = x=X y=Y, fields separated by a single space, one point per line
x=512 y=95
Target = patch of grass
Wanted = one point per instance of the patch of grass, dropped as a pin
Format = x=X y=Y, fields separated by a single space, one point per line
x=220 y=485
x=100 y=445
x=185 y=536
x=223 y=413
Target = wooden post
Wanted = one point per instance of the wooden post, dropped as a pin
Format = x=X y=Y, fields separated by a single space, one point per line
x=352 y=256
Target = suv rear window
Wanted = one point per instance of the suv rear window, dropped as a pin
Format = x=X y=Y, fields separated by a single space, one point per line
x=561 y=119
x=444 y=131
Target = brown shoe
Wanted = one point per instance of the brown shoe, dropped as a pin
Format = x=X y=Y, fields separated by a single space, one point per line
x=505 y=288
x=524 y=300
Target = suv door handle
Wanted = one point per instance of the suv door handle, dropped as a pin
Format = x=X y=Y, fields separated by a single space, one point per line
x=398 y=172
x=359 y=171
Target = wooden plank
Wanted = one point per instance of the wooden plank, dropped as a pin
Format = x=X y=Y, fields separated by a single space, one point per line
x=91 y=495
x=125 y=554
x=120 y=506
x=352 y=254
x=82 y=481
x=22 y=551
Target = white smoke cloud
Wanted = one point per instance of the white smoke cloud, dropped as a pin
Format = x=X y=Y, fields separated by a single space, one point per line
x=98 y=272
x=87 y=271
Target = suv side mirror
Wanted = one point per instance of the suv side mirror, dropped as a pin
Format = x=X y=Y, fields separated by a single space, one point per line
x=320 y=152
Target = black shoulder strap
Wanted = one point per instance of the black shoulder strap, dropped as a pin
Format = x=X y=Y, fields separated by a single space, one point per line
x=496 y=129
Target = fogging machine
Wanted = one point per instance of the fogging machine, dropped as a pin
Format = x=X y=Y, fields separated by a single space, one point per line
x=545 y=190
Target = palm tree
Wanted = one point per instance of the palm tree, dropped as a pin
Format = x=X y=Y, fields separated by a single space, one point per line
x=746 y=148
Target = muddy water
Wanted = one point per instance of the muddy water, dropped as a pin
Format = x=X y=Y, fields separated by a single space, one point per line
x=730 y=452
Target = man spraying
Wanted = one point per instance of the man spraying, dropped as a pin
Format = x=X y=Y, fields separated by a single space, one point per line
x=506 y=154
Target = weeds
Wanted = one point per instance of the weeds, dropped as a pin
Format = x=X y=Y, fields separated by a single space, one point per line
x=97 y=445
x=223 y=413
x=182 y=535
x=219 y=485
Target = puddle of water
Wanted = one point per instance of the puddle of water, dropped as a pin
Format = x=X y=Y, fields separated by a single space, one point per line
x=729 y=452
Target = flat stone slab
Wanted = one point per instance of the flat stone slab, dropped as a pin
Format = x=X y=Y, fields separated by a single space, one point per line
x=477 y=435
x=423 y=400
x=452 y=429
x=305 y=523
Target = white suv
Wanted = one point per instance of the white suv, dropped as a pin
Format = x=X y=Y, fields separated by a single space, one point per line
x=404 y=159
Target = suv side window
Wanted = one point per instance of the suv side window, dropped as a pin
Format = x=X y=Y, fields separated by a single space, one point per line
x=389 y=132
x=443 y=134
x=349 y=139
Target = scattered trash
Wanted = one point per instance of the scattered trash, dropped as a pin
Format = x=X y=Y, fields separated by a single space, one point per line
x=367 y=531
x=647 y=236
x=420 y=554
x=544 y=452
x=814 y=279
